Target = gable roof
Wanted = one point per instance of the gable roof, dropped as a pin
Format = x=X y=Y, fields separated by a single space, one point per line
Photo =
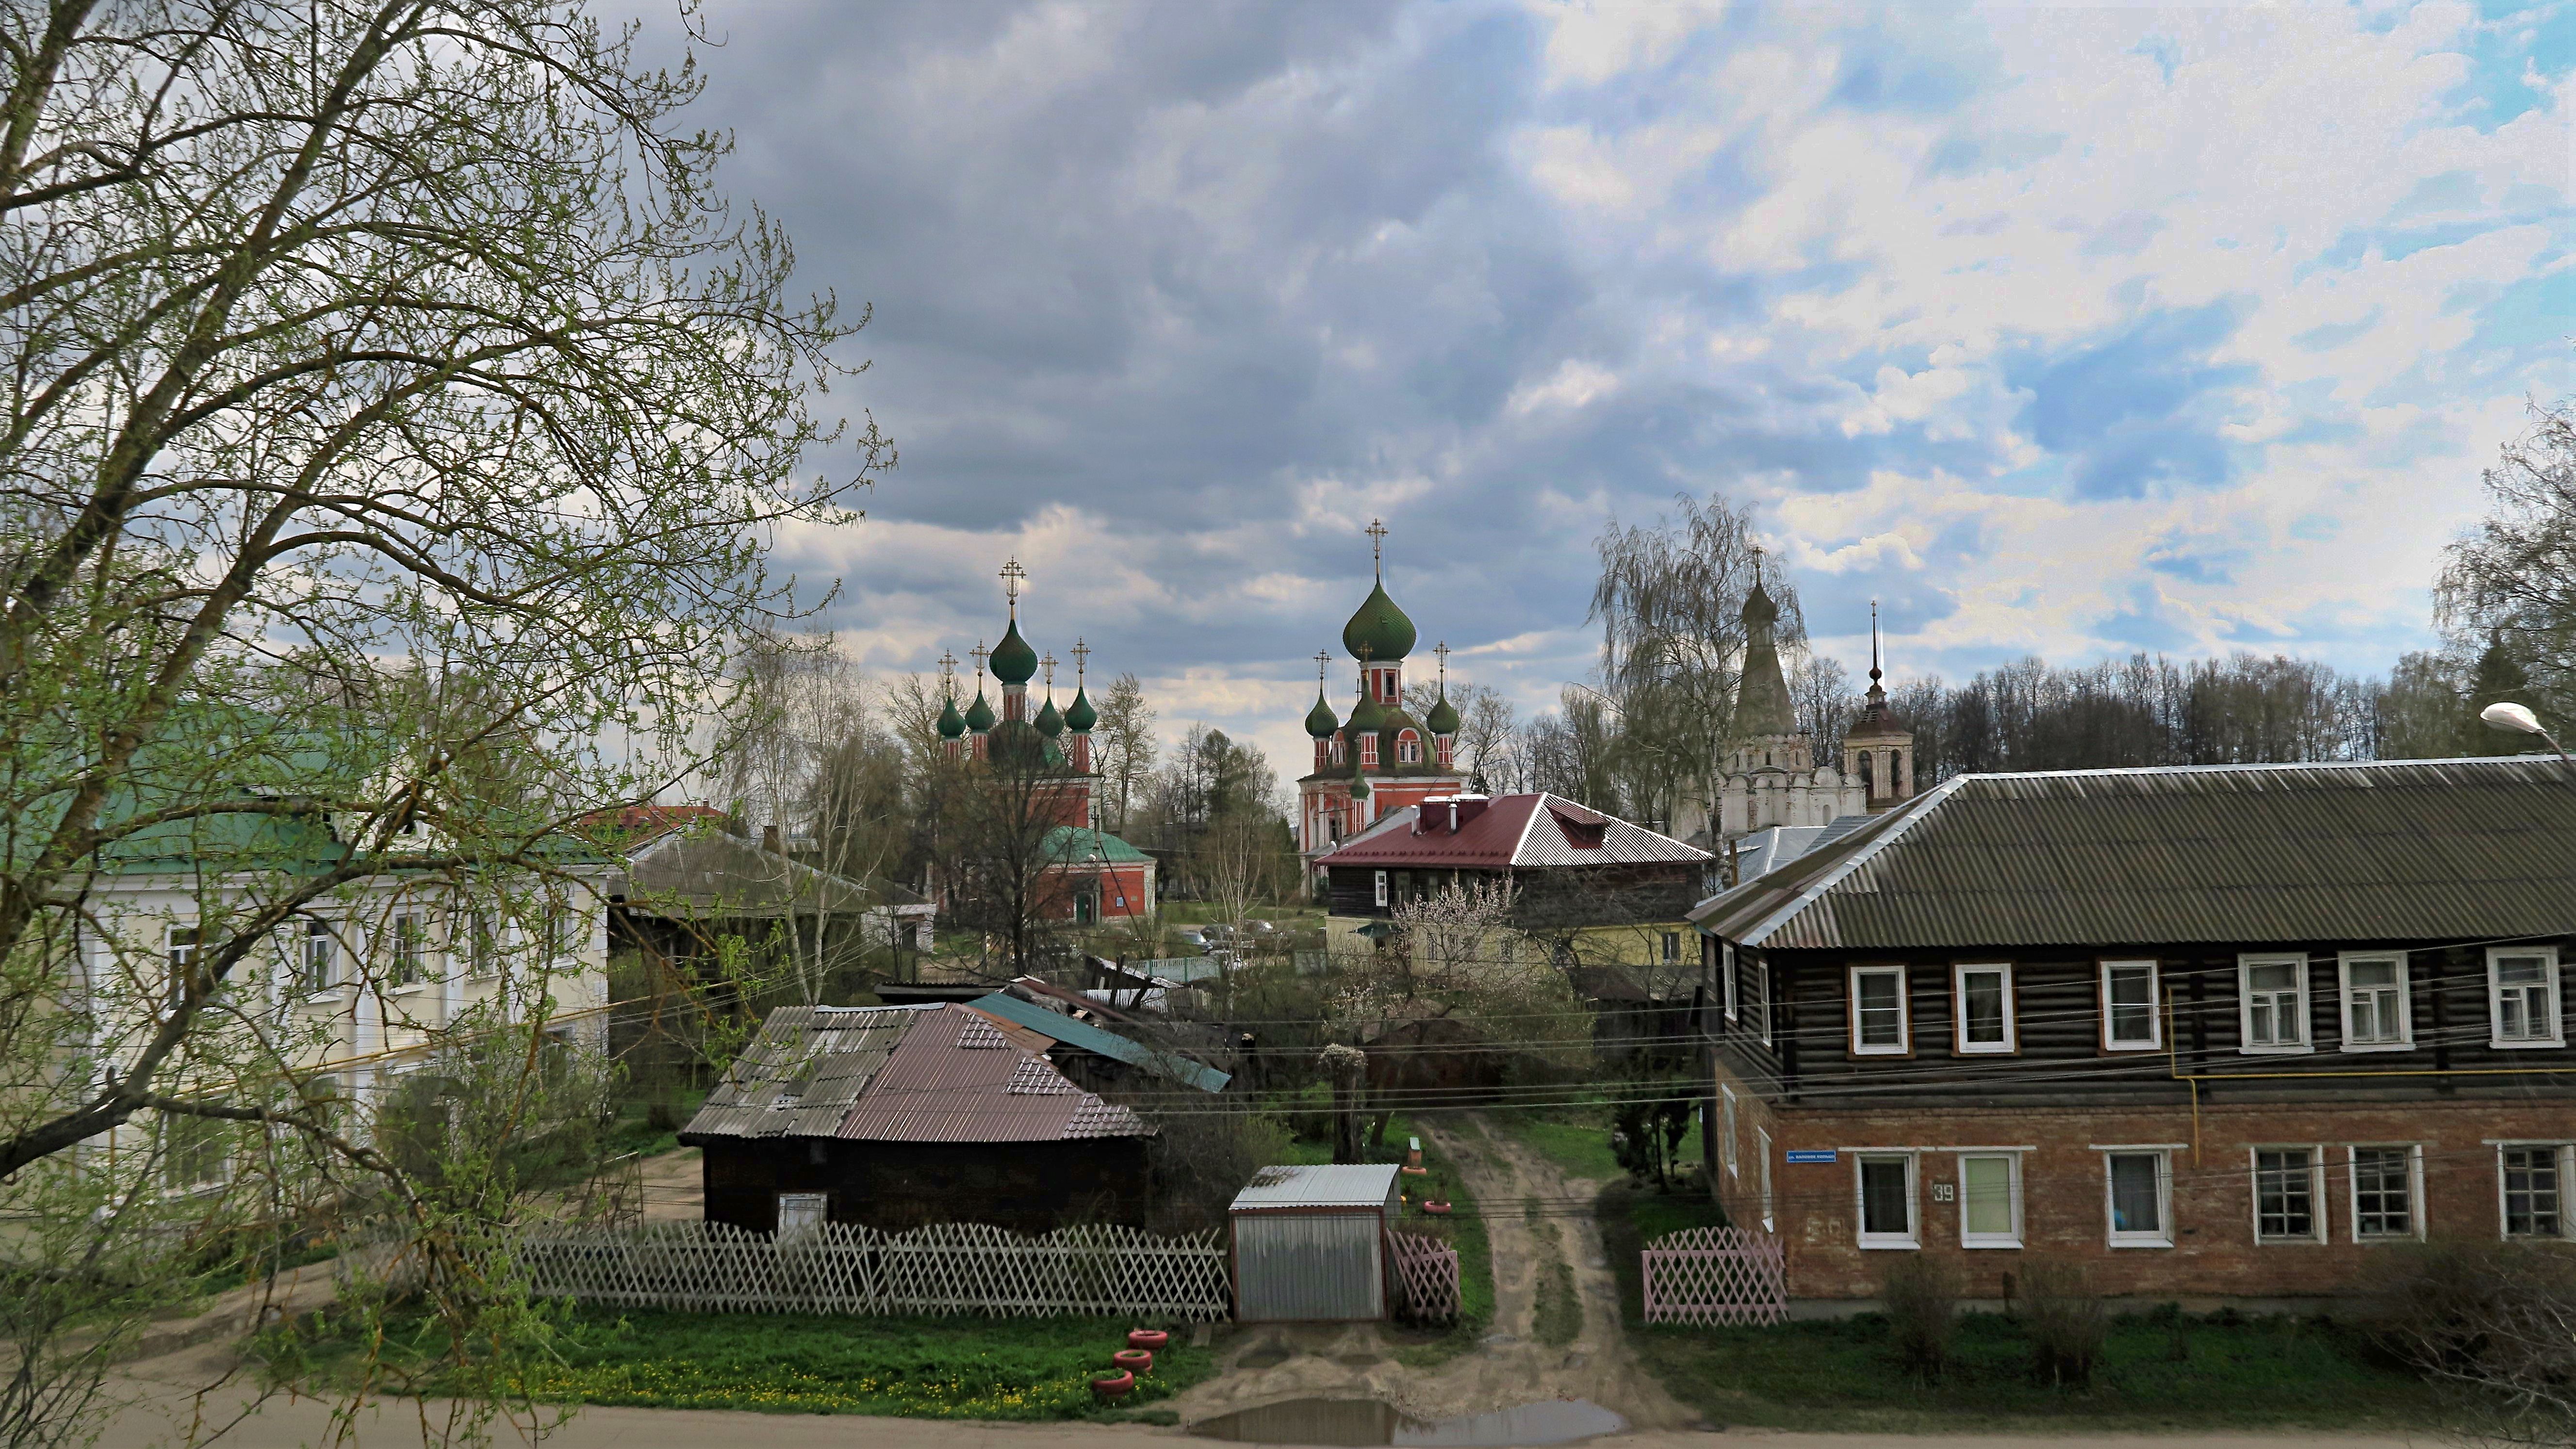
x=937 y=1073
x=2404 y=850
x=1056 y=1026
x=1510 y=831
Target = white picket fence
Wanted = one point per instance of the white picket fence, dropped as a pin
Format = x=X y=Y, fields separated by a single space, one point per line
x=839 y=1268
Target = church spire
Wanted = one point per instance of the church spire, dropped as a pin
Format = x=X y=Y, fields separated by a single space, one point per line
x=1762 y=693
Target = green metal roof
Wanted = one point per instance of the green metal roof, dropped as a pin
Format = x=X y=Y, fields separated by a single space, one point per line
x=1080 y=843
x=1379 y=632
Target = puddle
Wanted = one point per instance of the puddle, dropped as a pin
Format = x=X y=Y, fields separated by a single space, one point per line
x=1360 y=1422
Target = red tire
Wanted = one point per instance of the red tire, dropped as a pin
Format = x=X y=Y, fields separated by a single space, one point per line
x=1148 y=1338
x=1113 y=1388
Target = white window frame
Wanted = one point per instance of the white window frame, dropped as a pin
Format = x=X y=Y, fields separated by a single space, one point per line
x=1967 y=1239
x=1726 y=978
x=1959 y=1042
x=2155 y=1041
x=1762 y=1141
x=2566 y=1156
x=1408 y=748
x=1726 y=1127
x=1762 y=1022
x=318 y=938
x=1904 y=1045
x=2163 y=1236
x=2319 y=1230
x=1912 y=1237
x=2245 y=1045
x=2344 y=962
x=2554 y=978
x=1381 y=888
x=2414 y=1189
x=819 y=1202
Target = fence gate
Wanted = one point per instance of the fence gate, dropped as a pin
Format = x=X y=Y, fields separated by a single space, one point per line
x=1426 y=1278
x=1716 y=1276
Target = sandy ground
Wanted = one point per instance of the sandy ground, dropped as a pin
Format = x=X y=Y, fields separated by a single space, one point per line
x=1353 y=1361
x=674 y=1187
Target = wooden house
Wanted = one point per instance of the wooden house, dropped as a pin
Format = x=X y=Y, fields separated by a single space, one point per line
x=2214 y=1032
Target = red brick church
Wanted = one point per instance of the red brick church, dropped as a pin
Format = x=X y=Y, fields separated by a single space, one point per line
x=1104 y=877
x=1381 y=759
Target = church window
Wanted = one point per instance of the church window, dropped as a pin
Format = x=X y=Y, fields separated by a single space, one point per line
x=1408 y=748
x=1368 y=752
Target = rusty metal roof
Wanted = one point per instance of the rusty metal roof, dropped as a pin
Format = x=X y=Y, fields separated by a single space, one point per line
x=2407 y=850
x=936 y=1073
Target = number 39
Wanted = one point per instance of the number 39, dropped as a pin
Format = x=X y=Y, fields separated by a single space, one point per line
x=1942 y=1192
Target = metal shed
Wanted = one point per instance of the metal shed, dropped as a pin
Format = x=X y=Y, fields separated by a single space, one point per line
x=1310 y=1244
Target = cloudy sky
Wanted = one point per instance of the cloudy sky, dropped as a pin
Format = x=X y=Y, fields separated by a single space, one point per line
x=2066 y=331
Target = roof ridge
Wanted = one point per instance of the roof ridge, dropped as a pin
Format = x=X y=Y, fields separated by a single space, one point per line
x=1924 y=805
x=2251 y=766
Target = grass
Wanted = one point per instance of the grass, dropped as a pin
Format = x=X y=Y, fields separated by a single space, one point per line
x=1557 y=1316
x=2157 y=1371
x=1578 y=1142
x=932 y=1368
x=632 y=1133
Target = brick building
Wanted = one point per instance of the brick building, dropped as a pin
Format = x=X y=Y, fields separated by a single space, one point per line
x=1381 y=760
x=2215 y=1032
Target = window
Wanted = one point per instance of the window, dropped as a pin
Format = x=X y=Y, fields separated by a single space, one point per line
x=1726 y=977
x=1726 y=1126
x=799 y=1212
x=1878 y=1024
x=2384 y=1192
x=2130 y=1022
x=195 y=1153
x=1408 y=748
x=2273 y=1001
x=1990 y=1200
x=1381 y=888
x=187 y=948
x=2534 y=1185
x=2138 y=1189
x=1983 y=1007
x=1672 y=946
x=1368 y=751
x=1762 y=1000
x=2285 y=1195
x=482 y=945
x=2376 y=1016
x=1886 y=1188
x=2522 y=987
x=407 y=969
x=1762 y=1142
x=321 y=956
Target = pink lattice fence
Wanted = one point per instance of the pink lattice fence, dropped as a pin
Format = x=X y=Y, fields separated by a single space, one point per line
x=1426 y=1277
x=1716 y=1276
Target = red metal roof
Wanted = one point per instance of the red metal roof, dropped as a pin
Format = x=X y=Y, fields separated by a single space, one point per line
x=1508 y=831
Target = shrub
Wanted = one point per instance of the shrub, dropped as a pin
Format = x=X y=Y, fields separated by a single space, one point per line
x=1921 y=1297
x=2494 y=1321
x=2064 y=1318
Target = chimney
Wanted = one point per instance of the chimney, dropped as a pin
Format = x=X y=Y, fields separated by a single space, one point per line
x=1465 y=808
x=769 y=840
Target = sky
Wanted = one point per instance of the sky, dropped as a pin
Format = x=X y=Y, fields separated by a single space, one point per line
x=2067 y=331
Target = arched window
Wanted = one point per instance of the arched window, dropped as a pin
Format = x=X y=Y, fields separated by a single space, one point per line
x=1408 y=748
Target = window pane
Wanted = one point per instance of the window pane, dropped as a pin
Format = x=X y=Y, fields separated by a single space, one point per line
x=2284 y=1195
x=2133 y=1004
x=2374 y=973
x=2275 y=976
x=1986 y=1185
x=1984 y=1015
x=2134 y=1205
x=2520 y=970
x=2531 y=1192
x=1883 y=1200
x=2383 y=1192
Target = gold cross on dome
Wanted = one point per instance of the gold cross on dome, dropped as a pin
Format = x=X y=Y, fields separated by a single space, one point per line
x=1012 y=577
x=1377 y=545
x=1081 y=653
x=1442 y=649
x=1323 y=661
x=980 y=653
x=948 y=673
x=1048 y=664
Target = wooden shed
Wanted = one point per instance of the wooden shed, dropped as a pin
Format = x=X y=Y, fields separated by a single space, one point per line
x=1310 y=1244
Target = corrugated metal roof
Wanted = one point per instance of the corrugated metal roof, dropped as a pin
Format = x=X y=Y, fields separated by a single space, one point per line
x=1057 y=1026
x=2413 y=850
x=710 y=873
x=1511 y=830
x=937 y=1073
x=1346 y=1185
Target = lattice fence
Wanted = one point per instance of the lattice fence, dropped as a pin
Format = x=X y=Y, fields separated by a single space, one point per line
x=838 y=1268
x=1426 y=1277
x=1716 y=1276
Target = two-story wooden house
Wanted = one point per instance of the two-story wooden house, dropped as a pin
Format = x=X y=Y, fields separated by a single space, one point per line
x=2213 y=1031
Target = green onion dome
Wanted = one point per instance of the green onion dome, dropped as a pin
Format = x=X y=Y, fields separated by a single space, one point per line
x=1379 y=632
x=1319 y=720
x=951 y=723
x=979 y=715
x=1050 y=723
x=1443 y=719
x=1367 y=717
x=1080 y=716
x=1014 y=662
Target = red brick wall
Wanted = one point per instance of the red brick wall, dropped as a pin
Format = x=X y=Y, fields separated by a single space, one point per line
x=2063 y=1188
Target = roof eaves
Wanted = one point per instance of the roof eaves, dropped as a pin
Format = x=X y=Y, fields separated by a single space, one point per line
x=1923 y=806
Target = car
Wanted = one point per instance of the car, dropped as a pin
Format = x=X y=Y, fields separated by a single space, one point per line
x=1193 y=937
x=1259 y=928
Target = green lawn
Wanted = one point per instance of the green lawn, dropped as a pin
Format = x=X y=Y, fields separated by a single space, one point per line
x=932 y=1368
x=1578 y=1141
x=2157 y=1372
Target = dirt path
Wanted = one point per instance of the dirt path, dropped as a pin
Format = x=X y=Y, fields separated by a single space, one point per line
x=1513 y=1366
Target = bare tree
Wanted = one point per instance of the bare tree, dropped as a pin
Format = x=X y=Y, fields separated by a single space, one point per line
x=2512 y=583
x=395 y=416
x=1124 y=747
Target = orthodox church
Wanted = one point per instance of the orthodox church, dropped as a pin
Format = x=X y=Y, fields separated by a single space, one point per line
x=1771 y=779
x=1103 y=877
x=1381 y=759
